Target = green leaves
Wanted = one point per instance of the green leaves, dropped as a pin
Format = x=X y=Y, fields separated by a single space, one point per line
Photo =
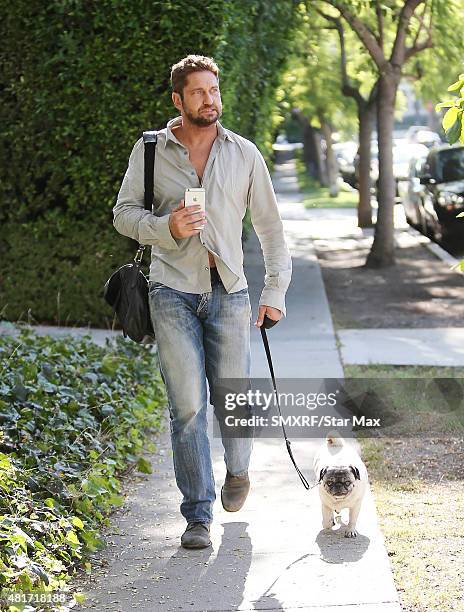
x=59 y=480
x=72 y=539
x=110 y=364
x=144 y=466
x=458 y=85
x=452 y=120
x=258 y=36
x=76 y=521
x=453 y=133
x=445 y=104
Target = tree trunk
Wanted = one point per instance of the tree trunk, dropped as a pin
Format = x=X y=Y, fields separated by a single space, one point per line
x=320 y=165
x=365 y=118
x=310 y=153
x=330 y=161
x=382 y=252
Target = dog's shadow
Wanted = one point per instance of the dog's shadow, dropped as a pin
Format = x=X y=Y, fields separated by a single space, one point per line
x=335 y=548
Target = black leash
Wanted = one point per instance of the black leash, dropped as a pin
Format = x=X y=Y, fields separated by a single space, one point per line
x=267 y=324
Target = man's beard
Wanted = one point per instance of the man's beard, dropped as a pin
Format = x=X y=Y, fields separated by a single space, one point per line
x=203 y=120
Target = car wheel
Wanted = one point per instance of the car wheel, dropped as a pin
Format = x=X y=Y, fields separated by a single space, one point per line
x=438 y=231
x=447 y=234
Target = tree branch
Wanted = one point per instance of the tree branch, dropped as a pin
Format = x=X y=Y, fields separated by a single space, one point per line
x=397 y=58
x=363 y=32
x=411 y=51
x=417 y=47
x=421 y=19
x=380 y=37
x=347 y=89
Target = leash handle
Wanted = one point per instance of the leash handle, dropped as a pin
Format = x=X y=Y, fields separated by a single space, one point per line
x=268 y=322
x=263 y=328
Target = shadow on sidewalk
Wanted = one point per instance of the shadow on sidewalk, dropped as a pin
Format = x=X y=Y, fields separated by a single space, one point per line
x=335 y=548
x=191 y=579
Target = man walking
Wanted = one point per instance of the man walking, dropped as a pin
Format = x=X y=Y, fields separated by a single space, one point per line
x=198 y=292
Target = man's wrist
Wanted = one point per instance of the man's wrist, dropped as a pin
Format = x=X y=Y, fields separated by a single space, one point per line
x=158 y=232
x=274 y=298
x=170 y=226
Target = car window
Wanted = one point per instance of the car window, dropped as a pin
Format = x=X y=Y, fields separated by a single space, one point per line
x=450 y=165
x=402 y=154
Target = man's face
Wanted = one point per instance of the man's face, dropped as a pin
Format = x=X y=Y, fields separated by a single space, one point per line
x=201 y=102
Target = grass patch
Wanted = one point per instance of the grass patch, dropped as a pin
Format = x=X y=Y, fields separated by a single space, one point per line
x=74 y=417
x=410 y=402
x=392 y=371
x=417 y=486
x=423 y=527
x=315 y=196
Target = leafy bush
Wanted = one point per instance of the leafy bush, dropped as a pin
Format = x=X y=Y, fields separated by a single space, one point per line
x=79 y=88
x=253 y=56
x=54 y=269
x=73 y=417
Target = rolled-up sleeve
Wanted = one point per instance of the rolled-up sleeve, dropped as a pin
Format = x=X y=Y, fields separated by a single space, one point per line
x=130 y=218
x=268 y=225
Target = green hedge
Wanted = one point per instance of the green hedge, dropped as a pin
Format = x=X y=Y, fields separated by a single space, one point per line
x=253 y=55
x=80 y=82
x=54 y=269
x=73 y=418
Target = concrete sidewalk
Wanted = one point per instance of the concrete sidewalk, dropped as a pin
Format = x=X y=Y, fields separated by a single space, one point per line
x=99 y=336
x=272 y=555
x=438 y=346
x=337 y=229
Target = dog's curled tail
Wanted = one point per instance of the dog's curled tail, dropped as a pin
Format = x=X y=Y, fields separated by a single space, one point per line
x=334 y=438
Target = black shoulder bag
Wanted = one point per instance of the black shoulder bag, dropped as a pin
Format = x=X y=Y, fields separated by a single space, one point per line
x=126 y=291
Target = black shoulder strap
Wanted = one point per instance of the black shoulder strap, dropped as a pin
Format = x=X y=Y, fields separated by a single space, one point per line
x=150 y=139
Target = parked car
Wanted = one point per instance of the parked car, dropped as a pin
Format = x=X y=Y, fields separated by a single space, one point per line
x=422 y=134
x=344 y=154
x=410 y=192
x=403 y=151
x=434 y=203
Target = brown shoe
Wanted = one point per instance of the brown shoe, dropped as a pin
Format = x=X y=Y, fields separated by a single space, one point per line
x=196 y=535
x=234 y=492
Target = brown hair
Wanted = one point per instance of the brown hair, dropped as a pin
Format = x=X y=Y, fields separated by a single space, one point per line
x=191 y=63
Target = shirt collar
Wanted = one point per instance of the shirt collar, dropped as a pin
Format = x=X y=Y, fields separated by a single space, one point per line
x=223 y=133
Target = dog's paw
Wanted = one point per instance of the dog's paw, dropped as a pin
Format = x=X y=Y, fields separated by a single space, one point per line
x=350 y=532
x=328 y=525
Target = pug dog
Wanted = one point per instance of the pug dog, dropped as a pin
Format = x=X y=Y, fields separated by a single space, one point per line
x=343 y=480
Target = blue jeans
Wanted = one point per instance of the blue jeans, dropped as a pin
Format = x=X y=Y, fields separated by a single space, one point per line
x=201 y=337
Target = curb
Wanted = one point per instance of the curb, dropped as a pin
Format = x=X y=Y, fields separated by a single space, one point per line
x=436 y=249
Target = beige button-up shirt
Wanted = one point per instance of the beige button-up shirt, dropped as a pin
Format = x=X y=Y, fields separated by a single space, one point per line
x=235 y=177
